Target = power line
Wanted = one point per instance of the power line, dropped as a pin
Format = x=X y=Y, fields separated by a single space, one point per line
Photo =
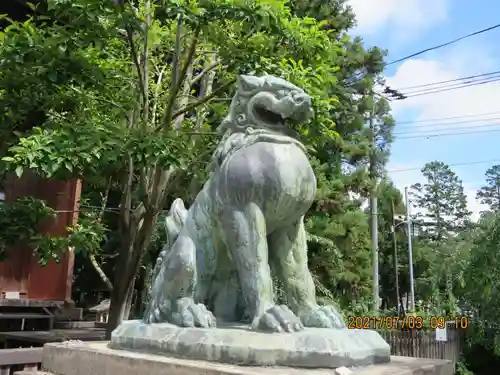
x=413 y=95
x=447 y=86
x=425 y=136
x=447 y=118
x=401 y=94
x=450 y=80
x=423 y=129
x=426 y=130
x=451 y=165
x=409 y=126
x=444 y=44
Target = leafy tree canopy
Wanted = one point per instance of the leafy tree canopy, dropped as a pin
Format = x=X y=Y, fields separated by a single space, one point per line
x=126 y=96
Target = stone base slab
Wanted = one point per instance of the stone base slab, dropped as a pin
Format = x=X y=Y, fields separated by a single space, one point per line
x=310 y=348
x=96 y=358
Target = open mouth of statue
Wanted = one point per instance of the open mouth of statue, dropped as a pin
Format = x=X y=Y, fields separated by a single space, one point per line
x=268 y=116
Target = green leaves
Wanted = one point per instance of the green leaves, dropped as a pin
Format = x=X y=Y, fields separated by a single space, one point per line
x=89 y=234
x=19 y=221
x=443 y=197
x=481 y=285
x=444 y=227
x=89 y=95
x=490 y=193
x=92 y=150
x=165 y=149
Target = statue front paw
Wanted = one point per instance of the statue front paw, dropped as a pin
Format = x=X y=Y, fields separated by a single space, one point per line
x=190 y=314
x=277 y=318
x=183 y=313
x=322 y=317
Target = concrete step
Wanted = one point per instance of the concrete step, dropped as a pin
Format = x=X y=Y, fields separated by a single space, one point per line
x=96 y=358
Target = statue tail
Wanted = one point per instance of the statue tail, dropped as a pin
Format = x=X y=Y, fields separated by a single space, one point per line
x=175 y=221
x=173 y=226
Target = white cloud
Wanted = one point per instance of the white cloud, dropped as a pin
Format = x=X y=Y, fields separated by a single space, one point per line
x=467 y=101
x=478 y=103
x=400 y=16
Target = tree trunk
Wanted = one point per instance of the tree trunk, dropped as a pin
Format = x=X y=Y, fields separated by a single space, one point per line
x=128 y=265
x=119 y=307
x=129 y=303
x=123 y=288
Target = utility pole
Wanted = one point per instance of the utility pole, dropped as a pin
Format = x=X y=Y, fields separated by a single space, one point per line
x=410 y=251
x=395 y=254
x=374 y=217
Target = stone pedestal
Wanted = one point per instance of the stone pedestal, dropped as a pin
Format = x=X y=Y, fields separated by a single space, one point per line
x=96 y=358
x=236 y=344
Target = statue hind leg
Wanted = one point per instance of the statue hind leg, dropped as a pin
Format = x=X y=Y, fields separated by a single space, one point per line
x=288 y=251
x=245 y=237
x=172 y=294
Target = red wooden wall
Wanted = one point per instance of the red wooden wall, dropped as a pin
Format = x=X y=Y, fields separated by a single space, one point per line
x=21 y=271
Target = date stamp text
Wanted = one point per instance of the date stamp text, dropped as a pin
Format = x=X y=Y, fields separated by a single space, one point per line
x=407 y=322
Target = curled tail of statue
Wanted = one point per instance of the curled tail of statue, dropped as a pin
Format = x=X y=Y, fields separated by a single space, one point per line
x=175 y=221
x=173 y=226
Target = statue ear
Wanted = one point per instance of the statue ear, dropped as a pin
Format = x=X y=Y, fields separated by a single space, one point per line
x=248 y=83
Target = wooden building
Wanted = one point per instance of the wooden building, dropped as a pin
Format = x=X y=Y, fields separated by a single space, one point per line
x=21 y=273
x=21 y=277
x=33 y=298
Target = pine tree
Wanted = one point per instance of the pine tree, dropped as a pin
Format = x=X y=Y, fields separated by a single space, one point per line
x=443 y=217
x=490 y=193
x=341 y=262
x=443 y=201
x=384 y=127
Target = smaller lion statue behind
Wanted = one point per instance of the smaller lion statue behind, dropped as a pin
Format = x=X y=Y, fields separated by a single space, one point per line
x=247 y=220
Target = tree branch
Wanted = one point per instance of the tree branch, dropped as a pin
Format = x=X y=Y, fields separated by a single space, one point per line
x=126 y=198
x=157 y=93
x=92 y=257
x=100 y=272
x=135 y=60
x=205 y=71
x=160 y=182
x=140 y=245
x=178 y=81
x=202 y=101
x=104 y=201
x=175 y=71
x=183 y=97
x=143 y=184
x=145 y=63
x=206 y=88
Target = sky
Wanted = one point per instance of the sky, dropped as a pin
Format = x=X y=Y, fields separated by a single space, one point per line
x=407 y=26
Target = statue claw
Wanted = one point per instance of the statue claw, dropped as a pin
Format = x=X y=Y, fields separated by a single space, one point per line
x=322 y=317
x=183 y=313
x=277 y=318
x=191 y=314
